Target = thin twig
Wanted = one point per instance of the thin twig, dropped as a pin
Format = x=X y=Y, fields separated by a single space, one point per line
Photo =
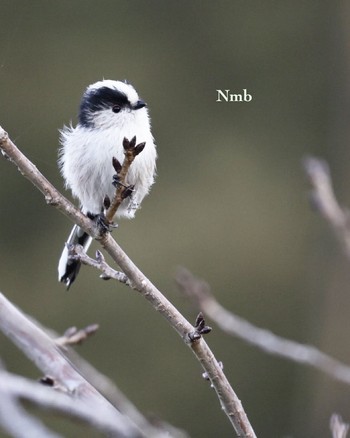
x=229 y=401
x=77 y=251
x=73 y=336
x=324 y=200
x=131 y=150
x=199 y=292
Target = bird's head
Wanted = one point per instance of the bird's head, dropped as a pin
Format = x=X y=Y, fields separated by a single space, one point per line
x=109 y=103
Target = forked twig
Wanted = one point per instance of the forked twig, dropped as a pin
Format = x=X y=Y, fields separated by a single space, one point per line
x=73 y=336
x=199 y=292
x=77 y=252
x=123 y=190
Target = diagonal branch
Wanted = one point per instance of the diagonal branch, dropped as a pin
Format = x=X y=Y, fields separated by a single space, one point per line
x=229 y=401
x=199 y=292
x=52 y=196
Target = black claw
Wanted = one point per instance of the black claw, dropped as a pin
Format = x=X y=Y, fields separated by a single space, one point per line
x=128 y=190
x=200 y=328
x=116 y=180
x=103 y=225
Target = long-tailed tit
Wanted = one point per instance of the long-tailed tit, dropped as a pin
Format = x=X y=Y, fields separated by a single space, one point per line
x=109 y=112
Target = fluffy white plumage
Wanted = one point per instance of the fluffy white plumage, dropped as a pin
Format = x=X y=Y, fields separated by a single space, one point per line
x=109 y=112
x=86 y=154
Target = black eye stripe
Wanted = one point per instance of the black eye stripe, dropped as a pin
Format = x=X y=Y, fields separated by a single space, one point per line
x=99 y=99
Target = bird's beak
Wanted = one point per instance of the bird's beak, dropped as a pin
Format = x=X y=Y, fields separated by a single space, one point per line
x=139 y=104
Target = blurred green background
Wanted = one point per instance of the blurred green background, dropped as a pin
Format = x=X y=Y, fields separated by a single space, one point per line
x=230 y=200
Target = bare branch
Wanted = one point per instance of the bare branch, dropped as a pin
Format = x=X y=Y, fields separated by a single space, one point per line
x=324 y=200
x=199 y=292
x=73 y=336
x=52 y=196
x=229 y=401
x=77 y=251
x=14 y=419
x=131 y=150
x=47 y=398
x=42 y=350
x=338 y=428
x=109 y=389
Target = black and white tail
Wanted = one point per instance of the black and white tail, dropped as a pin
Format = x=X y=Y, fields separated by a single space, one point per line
x=68 y=269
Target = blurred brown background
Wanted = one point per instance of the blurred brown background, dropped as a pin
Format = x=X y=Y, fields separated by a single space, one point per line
x=230 y=201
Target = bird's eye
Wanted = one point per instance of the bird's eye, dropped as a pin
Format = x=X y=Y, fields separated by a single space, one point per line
x=116 y=108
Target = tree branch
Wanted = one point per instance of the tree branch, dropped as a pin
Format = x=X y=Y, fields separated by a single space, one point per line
x=77 y=252
x=230 y=403
x=131 y=150
x=324 y=200
x=338 y=428
x=109 y=389
x=14 y=419
x=103 y=384
x=42 y=350
x=45 y=397
x=199 y=292
x=73 y=336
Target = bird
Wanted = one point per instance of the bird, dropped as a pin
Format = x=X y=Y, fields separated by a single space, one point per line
x=110 y=111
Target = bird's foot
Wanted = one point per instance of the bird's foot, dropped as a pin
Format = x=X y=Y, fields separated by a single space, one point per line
x=127 y=190
x=102 y=223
